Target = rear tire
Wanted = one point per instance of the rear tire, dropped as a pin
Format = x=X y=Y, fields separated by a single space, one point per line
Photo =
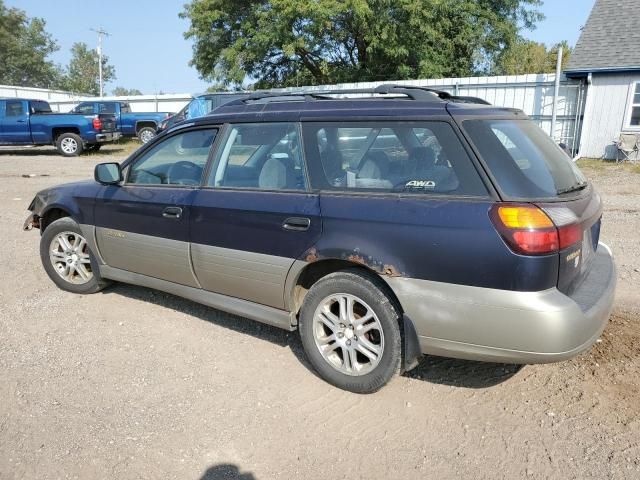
x=145 y=134
x=350 y=331
x=67 y=259
x=69 y=145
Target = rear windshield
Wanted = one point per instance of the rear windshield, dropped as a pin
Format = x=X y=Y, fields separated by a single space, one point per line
x=524 y=160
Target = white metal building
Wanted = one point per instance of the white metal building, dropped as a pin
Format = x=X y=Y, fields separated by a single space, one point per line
x=607 y=60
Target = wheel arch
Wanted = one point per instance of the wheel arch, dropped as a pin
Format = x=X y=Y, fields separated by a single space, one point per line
x=305 y=274
x=140 y=124
x=57 y=131
x=53 y=213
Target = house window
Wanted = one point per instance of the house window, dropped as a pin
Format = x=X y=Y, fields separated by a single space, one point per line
x=634 y=117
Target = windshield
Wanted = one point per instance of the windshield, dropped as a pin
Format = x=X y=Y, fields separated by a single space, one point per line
x=523 y=159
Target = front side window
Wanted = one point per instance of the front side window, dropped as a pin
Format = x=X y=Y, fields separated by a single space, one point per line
x=177 y=160
x=15 y=108
x=264 y=156
x=402 y=157
x=634 y=118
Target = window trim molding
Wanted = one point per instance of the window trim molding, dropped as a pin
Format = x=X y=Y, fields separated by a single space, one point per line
x=629 y=108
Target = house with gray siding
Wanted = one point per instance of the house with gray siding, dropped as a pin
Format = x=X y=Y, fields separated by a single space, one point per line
x=607 y=59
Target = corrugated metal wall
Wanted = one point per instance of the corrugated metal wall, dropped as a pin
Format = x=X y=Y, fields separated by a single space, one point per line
x=531 y=93
x=606 y=113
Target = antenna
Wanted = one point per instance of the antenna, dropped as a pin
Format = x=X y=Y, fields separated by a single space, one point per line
x=101 y=33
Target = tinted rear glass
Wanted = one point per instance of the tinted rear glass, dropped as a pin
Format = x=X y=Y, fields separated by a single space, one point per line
x=523 y=159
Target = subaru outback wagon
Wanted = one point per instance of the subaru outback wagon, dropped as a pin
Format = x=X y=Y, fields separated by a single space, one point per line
x=384 y=225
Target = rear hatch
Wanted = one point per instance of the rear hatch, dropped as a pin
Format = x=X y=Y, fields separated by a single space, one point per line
x=529 y=170
x=108 y=122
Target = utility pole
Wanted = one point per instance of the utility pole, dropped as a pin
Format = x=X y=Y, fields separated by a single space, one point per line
x=101 y=33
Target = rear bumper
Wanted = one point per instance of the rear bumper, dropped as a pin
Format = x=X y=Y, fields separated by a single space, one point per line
x=108 y=137
x=505 y=326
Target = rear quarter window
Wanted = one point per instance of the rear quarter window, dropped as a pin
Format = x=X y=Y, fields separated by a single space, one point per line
x=395 y=157
x=523 y=160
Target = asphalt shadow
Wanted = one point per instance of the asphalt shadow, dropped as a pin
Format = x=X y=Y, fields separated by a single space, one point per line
x=226 y=471
x=431 y=369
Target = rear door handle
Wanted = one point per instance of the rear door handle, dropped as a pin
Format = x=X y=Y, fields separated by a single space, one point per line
x=299 y=224
x=172 y=212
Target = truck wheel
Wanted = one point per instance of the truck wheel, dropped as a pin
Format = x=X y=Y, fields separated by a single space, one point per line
x=69 y=145
x=145 y=134
x=350 y=331
x=67 y=259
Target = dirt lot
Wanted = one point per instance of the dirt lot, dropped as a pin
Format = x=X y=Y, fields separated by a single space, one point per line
x=132 y=383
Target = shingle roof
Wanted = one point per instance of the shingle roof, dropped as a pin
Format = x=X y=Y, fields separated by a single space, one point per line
x=611 y=38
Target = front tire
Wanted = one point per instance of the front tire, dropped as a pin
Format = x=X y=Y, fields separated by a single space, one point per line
x=67 y=259
x=145 y=134
x=350 y=331
x=69 y=145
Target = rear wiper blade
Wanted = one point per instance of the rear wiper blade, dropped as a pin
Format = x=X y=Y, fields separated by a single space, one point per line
x=573 y=188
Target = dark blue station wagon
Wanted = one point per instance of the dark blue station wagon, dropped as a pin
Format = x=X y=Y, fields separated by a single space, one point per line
x=383 y=225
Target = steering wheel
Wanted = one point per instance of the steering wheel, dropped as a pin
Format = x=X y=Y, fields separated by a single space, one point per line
x=184 y=173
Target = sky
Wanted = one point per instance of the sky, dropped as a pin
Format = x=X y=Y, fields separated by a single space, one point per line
x=149 y=51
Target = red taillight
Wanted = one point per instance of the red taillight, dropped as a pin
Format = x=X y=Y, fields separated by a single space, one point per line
x=97 y=124
x=528 y=230
x=569 y=234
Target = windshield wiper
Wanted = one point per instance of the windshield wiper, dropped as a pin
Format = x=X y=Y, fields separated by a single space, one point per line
x=573 y=188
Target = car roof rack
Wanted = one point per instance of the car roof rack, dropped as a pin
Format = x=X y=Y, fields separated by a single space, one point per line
x=385 y=91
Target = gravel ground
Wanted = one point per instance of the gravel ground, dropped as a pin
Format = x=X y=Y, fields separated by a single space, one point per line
x=133 y=383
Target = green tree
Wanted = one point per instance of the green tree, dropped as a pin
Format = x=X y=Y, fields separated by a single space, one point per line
x=25 y=47
x=81 y=75
x=123 y=92
x=526 y=56
x=289 y=42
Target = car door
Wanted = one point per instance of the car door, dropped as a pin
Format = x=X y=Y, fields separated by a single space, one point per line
x=142 y=226
x=256 y=215
x=14 y=124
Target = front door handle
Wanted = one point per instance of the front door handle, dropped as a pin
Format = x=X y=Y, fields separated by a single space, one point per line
x=172 y=212
x=299 y=224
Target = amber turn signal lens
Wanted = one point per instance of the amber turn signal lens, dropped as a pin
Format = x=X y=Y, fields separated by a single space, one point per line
x=524 y=217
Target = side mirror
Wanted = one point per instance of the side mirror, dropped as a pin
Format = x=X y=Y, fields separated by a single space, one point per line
x=108 y=173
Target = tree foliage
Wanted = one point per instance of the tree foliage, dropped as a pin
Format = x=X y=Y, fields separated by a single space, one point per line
x=24 y=50
x=526 y=56
x=123 y=92
x=81 y=75
x=289 y=42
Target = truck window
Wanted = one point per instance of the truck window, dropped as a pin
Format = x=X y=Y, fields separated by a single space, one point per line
x=84 y=109
x=15 y=108
x=106 y=108
x=125 y=108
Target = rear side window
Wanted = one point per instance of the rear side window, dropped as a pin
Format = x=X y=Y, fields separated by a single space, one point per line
x=523 y=159
x=125 y=108
x=410 y=157
x=265 y=156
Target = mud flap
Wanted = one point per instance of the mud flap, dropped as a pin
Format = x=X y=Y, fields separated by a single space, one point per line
x=410 y=345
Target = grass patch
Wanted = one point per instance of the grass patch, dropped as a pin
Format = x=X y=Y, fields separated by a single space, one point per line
x=597 y=165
